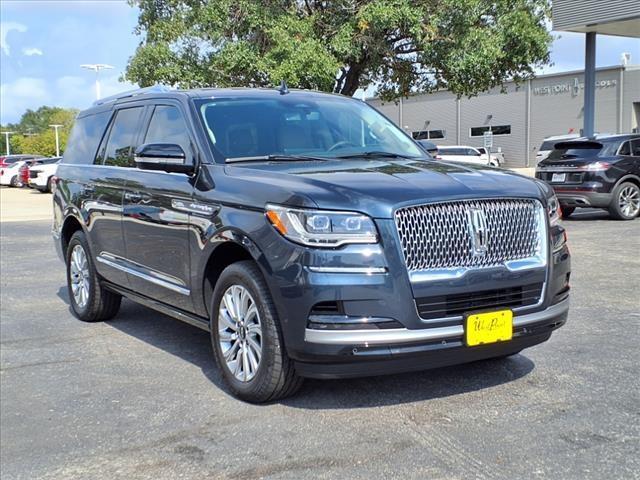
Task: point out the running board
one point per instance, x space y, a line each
186 317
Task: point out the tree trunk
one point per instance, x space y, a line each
352 81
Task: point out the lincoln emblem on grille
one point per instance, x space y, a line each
478 231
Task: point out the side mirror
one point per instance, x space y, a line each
167 157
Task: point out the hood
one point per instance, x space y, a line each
377 187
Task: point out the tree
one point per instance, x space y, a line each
33 133
400 46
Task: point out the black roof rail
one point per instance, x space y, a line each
132 93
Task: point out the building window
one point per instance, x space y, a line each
496 129
428 134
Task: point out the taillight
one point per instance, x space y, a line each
596 167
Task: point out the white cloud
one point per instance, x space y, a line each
31 51
5 28
23 93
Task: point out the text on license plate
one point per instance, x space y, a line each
558 177
488 327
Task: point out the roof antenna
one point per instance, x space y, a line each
283 88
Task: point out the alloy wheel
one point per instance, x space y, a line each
240 332
79 276
629 201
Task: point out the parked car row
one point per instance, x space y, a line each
34 171
462 153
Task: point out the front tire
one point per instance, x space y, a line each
246 337
90 301
14 182
625 204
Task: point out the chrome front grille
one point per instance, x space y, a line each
443 236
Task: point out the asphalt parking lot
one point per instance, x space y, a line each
140 397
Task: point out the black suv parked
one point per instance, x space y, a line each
307 233
602 172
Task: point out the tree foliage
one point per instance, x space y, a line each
400 46
33 133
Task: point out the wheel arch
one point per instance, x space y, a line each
628 178
229 246
70 226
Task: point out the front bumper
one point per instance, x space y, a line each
371 284
382 352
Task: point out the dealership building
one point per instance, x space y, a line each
521 115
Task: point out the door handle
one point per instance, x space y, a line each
133 197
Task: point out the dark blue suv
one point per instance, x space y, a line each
307 233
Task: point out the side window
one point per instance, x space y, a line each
167 125
120 146
625 149
472 152
85 137
635 147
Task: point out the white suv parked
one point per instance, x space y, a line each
40 175
462 153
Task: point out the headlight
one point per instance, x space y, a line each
320 228
553 207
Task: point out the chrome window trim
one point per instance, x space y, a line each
404 335
156 278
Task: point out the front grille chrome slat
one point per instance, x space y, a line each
437 237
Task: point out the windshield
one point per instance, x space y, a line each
327 127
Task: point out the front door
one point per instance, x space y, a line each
155 221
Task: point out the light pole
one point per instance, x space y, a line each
6 139
96 67
56 127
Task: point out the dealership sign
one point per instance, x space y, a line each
570 87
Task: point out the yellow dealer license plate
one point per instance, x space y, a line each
488 327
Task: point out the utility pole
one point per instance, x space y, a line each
96 67
56 127
6 139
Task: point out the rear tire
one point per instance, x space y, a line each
250 331
14 182
90 301
567 211
625 204
48 187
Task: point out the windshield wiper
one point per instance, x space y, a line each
375 154
276 158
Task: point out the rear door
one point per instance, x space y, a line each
155 219
105 192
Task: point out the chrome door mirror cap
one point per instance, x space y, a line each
168 157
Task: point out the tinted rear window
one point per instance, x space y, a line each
548 145
571 150
85 138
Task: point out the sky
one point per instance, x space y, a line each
43 44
